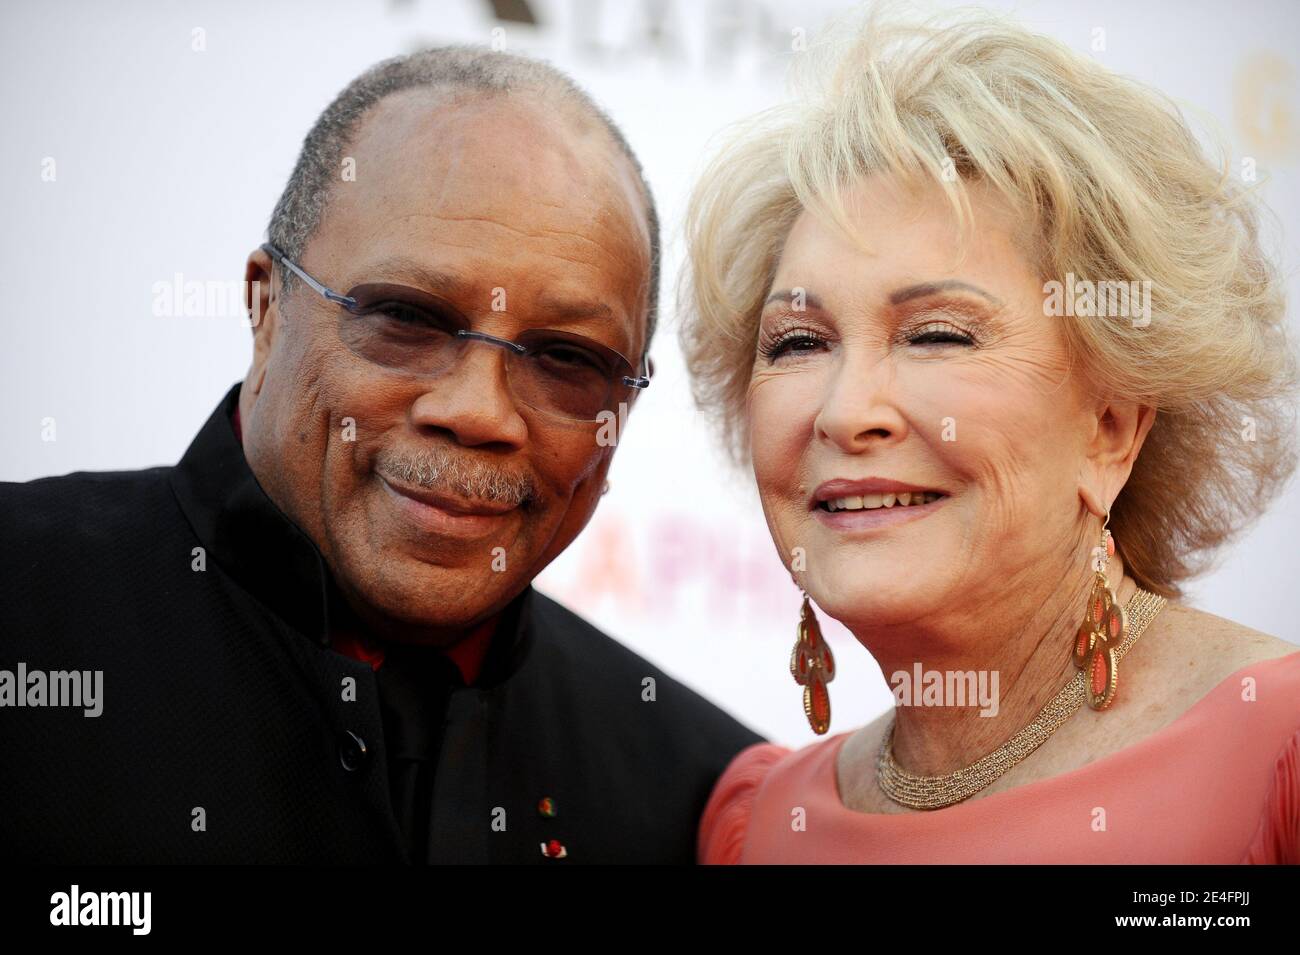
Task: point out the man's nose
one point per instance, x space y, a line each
472 399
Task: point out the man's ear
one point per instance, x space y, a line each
1121 430
257 299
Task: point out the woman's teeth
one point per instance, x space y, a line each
869 502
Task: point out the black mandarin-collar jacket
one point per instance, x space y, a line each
226 736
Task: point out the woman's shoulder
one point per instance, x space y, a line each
721 836
1267 677
1208 628
1192 669
1245 686
1196 651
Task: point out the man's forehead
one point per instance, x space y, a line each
489 186
458 150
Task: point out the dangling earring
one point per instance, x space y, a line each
1105 624
813 666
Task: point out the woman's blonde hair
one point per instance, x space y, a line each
1116 187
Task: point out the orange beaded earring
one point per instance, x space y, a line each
1103 629
813 666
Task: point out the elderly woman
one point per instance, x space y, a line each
1007 361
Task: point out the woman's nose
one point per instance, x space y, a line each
861 402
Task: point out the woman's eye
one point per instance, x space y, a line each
795 344
942 335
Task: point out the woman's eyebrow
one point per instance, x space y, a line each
934 288
898 297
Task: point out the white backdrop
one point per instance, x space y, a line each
168 158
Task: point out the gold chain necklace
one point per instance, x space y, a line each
935 792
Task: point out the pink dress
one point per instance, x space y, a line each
1219 785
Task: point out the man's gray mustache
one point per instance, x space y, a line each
443 472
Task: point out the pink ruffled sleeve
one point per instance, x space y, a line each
1278 840
726 815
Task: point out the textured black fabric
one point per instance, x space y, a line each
415 684
231 732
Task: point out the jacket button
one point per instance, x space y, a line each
352 751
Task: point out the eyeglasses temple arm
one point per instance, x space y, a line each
644 380
288 263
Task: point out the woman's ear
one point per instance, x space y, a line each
1121 430
1095 505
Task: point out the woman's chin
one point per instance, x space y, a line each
858 605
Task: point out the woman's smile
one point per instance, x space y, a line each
866 504
870 512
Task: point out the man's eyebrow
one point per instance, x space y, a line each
579 310
934 288
420 275
409 270
790 295
575 308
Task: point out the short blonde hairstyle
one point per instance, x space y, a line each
1115 185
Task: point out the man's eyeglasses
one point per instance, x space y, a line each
413 331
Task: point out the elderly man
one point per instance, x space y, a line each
317 634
